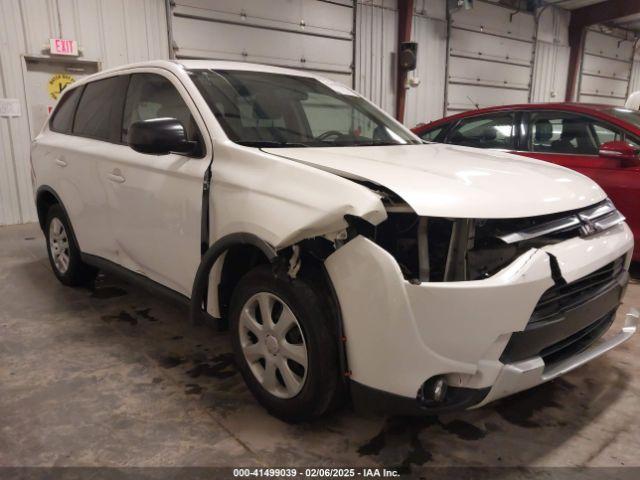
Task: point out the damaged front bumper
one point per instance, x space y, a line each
519 376
400 335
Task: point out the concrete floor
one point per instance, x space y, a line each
117 377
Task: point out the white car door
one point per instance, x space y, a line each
79 157
155 201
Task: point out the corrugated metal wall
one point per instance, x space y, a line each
110 32
551 63
426 101
376 50
634 82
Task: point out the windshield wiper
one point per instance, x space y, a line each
270 144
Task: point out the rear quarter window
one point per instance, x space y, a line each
62 119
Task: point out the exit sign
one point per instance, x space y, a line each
60 46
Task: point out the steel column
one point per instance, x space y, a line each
405 21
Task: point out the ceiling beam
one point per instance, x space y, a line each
604 12
581 18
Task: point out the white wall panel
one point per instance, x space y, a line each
463 97
376 57
634 82
482 46
16 202
433 9
376 50
306 34
109 32
490 51
606 66
553 26
585 98
550 73
551 64
599 66
301 16
425 102
224 41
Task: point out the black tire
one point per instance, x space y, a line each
322 385
77 273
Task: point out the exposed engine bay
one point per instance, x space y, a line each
435 249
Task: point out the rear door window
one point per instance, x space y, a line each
488 131
569 134
99 113
62 121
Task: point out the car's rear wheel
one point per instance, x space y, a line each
64 254
284 345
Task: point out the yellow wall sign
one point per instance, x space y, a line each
57 84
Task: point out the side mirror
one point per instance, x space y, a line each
621 151
160 136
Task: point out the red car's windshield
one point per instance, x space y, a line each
629 116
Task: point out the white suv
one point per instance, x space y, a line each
345 256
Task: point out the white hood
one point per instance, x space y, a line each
451 181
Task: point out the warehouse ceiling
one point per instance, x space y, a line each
631 22
572 4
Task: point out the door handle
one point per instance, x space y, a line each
116 176
60 162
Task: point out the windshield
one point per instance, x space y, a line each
261 109
629 116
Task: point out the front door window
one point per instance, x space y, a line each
488 131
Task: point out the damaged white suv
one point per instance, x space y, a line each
345 256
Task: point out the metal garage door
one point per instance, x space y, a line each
490 57
606 67
308 34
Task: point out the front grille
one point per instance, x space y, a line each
577 342
570 317
560 298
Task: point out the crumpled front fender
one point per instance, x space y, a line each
279 201
282 201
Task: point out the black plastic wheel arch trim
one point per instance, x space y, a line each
213 253
46 188
43 221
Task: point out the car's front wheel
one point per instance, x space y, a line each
284 345
64 254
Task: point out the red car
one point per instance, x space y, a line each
599 141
